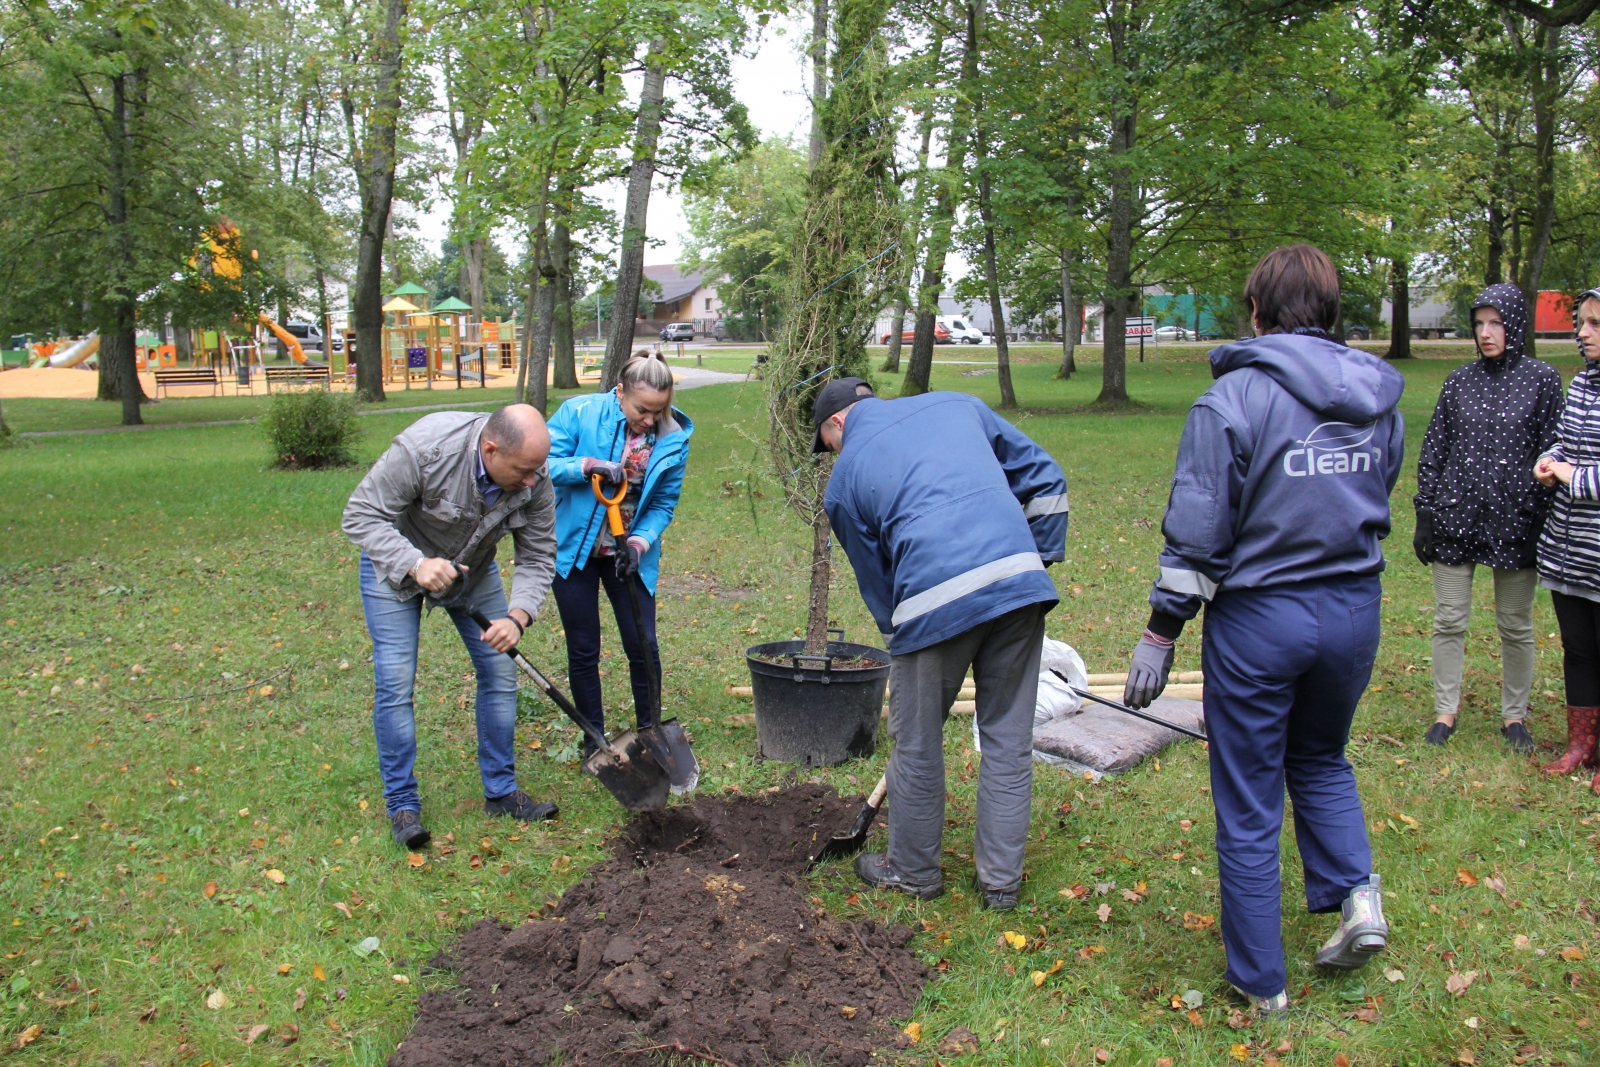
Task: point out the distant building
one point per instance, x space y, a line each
684 296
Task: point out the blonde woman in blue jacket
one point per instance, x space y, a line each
632 434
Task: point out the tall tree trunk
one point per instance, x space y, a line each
1494 270
1400 299
183 343
471 280
980 152
819 76
1544 85
542 326
941 223
630 270
1119 224
374 158
566 359
897 322
119 373
1069 319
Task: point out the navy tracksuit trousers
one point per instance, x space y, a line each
1284 668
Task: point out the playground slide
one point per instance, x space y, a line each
290 341
76 352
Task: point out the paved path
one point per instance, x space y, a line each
693 377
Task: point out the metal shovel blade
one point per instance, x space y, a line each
631 773
670 745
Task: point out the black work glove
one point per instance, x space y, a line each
608 470
627 557
1147 674
1422 540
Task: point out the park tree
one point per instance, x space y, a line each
744 213
843 269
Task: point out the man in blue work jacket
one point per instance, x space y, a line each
949 515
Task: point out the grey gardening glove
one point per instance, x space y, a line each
1147 674
608 470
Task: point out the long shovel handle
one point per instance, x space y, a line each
651 657
1129 711
549 688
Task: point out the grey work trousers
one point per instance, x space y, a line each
1004 656
1513 613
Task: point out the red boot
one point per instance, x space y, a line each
1581 731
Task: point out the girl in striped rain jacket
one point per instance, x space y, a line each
1569 547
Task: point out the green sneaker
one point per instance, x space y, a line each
1362 932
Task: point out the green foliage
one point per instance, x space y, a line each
311 429
744 214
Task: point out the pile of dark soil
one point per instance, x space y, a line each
696 939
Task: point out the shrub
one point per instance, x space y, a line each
312 429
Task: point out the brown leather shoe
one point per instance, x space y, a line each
1582 726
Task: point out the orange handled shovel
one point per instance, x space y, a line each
613 512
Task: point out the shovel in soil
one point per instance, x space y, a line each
633 767
851 841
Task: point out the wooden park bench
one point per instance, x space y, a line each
301 373
167 377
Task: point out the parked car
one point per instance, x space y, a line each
1173 333
719 331
310 337
962 331
1357 332
941 335
678 331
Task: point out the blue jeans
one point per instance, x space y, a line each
394 626
1284 668
578 599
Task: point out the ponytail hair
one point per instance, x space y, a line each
650 369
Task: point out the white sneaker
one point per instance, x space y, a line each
1278 1004
1361 934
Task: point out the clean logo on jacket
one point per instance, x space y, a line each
1333 448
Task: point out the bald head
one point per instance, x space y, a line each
515 444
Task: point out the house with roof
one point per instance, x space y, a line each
680 296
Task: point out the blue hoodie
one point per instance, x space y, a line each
1284 472
948 513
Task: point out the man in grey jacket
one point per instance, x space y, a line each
427 518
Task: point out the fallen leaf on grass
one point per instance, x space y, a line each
217 1000
1102 1055
417 859
1465 1058
1521 942
1191 921
1496 883
1394 974
1239 1052
344 908
1163 1061
365 947
959 1041
1104 912
1131 897
1238 1020
1089 952
1056 966
1571 953
300 997
318 973
285 968
1459 982
210 890
29 1036
1341 1060
1015 940
1194 1018
913 1031
275 876
1466 877
1078 892
255 1032
1192 998
400 979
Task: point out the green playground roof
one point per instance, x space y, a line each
410 289
450 304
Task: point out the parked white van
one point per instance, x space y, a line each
962 331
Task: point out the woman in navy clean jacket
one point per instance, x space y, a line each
634 435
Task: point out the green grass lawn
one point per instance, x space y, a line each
173 829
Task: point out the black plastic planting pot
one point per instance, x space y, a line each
810 711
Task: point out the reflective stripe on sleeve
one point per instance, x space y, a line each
1192 583
969 582
1046 505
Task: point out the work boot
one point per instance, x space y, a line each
520 806
874 869
1362 932
1439 733
1581 730
1277 1004
1517 736
406 826
996 899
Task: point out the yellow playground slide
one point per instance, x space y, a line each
290 341
76 352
